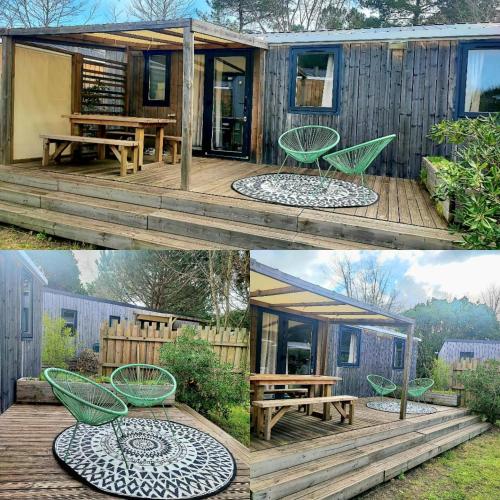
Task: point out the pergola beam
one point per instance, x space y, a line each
187 107
275 291
406 370
6 99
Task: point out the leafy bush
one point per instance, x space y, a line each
203 382
58 345
473 180
87 362
482 387
441 374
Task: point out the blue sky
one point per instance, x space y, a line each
419 275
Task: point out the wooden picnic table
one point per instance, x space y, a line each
258 382
138 123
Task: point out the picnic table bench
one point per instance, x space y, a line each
120 149
265 408
294 392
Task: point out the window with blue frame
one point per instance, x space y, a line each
466 355
70 320
349 346
114 318
26 306
156 79
398 354
479 78
315 79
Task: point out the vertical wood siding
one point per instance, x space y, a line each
482 349
382 92
90 314
375 357
18 358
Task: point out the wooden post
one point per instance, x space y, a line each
406 370
187 107
6 100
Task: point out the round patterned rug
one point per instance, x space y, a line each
189 464
299 190
393 407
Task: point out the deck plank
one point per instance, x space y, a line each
28 468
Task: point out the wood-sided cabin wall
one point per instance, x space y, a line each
383 91
18 357
375 357
136 107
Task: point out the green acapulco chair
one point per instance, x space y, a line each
356 159
307 144
419 386
144 386
90 403
382 386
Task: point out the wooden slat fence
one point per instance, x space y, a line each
125 343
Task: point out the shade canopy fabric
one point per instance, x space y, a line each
151 35
277 290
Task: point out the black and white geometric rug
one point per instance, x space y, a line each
190 464
393 406
298 190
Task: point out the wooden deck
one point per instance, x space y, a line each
402 201
29 470
295 427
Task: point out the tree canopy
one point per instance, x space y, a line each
60 269
439 319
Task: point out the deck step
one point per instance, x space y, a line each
284 457
326 229
215 231
305 475
95 232
353 483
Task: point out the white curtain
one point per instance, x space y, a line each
353 348
269 343
475 65
198 91
328 85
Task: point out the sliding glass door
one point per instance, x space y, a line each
286 343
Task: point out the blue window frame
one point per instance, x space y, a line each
466 355
314 85
349 346
156 78
26 306
398 354
478 78
70 317
114 318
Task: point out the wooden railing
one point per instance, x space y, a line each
125 343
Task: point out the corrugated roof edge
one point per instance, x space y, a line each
118 303
438 31
472 341
24 256
388 331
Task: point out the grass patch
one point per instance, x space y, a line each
237 424
468 472
13 238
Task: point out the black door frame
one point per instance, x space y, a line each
208 99
283 317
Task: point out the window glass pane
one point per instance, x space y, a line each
398 354
348 352
269 345
299 348
69 317
482 89
466 355
157 77
314 80
26 305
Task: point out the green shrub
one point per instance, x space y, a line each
203 382
482 387
58 345
87 362
473 180
441 374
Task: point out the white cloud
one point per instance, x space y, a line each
87 263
